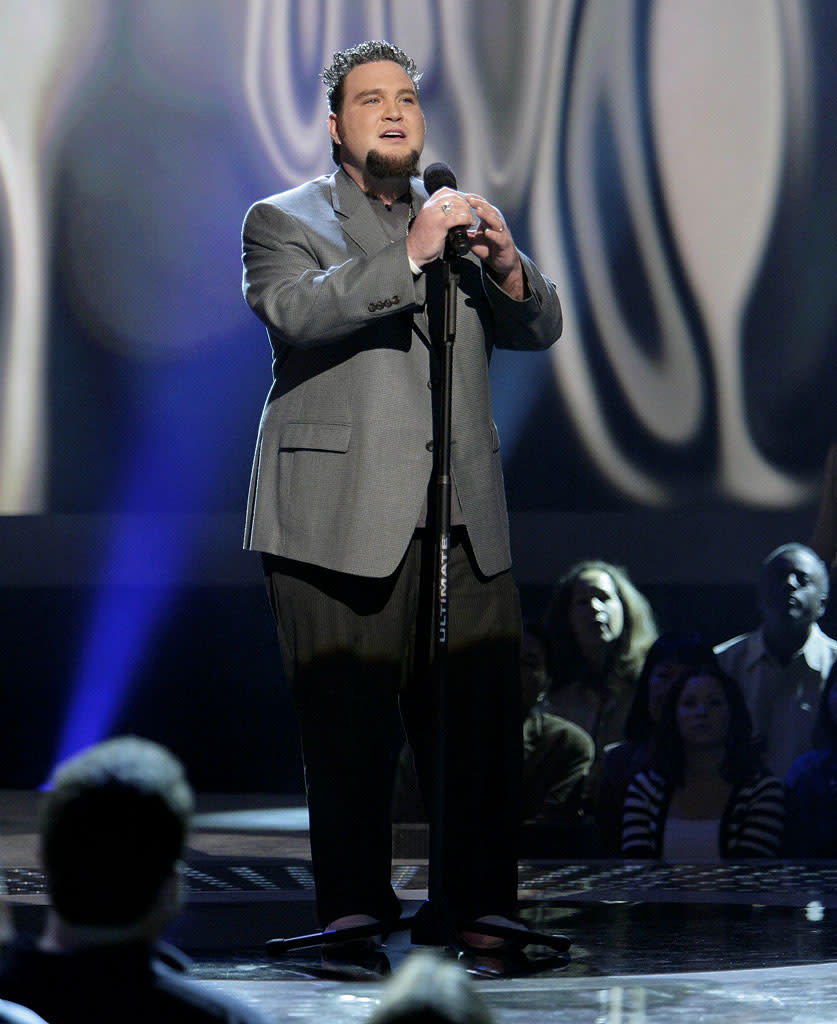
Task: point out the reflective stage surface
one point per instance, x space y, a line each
650 942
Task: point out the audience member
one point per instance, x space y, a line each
782 666
429 989
811 786
557 754
14 1013
706 795
669 658
601 627
11 1013
113 830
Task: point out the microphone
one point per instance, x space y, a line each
438 176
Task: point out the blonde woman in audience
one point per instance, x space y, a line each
601 627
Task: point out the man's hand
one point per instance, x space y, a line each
490 240
493 244
444 210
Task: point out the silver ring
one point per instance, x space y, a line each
446 207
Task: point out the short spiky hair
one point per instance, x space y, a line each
344 61
364 53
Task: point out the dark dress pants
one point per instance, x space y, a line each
355 651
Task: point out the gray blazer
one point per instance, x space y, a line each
344 451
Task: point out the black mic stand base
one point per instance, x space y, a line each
425 930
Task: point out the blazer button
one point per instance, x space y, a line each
429 446
395 300
371 307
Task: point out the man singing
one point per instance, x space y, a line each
344 271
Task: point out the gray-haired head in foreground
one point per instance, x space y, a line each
427 989
113 827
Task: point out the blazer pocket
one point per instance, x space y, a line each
315 437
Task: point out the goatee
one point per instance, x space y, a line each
382 167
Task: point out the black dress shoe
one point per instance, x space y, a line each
350 956
509 937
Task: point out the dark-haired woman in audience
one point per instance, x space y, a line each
707 795
669 658
811 786
601 628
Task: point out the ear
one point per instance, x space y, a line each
333 128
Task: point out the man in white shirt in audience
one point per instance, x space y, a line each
783 665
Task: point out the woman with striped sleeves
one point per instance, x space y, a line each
706 796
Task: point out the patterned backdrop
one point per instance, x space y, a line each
670 163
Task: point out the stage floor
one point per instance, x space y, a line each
744 942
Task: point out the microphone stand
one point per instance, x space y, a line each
437 925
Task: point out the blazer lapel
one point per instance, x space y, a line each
357 219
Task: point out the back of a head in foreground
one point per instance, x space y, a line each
14 1013
113 827
428 989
